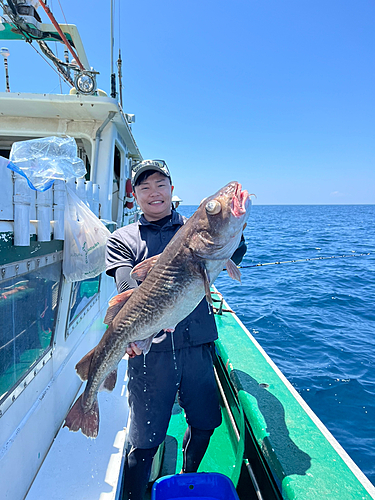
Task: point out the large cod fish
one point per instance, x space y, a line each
173 284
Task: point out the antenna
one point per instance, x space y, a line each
113 75
5 53
119 66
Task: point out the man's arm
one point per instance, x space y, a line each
120 262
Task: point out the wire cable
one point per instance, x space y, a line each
66 22
305 260
50 65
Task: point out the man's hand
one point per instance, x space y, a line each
132 350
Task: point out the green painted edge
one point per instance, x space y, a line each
7 33
9 253
302 459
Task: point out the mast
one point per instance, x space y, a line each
119 66
5 53
113 75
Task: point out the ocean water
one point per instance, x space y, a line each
316 319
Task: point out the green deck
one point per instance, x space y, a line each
220 456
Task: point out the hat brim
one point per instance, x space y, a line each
147 168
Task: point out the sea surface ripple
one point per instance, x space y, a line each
316 319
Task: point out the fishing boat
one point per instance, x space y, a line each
270 444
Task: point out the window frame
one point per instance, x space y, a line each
72 324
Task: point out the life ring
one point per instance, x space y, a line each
129 199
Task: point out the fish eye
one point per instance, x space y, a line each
213 207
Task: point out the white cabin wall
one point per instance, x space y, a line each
44 127
6 198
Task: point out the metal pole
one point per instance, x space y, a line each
112 41
119 65
113 75
5 53
6 74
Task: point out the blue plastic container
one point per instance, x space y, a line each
201 486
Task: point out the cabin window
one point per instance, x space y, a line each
28 312
81 153
117 188
83 293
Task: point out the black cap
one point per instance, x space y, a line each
143 166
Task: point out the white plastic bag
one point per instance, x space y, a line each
42 161
85 240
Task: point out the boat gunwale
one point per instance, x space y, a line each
284 391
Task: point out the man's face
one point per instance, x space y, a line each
154 196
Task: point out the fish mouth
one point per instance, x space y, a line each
240 201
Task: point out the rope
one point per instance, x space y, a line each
305 260
66 22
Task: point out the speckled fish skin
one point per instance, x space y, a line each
173 287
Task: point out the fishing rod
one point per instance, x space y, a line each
219 310
305 260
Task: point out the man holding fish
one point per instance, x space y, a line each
183 360
163 266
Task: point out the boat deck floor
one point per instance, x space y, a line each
82 468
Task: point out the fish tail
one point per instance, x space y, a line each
87 421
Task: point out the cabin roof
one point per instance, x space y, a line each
62 107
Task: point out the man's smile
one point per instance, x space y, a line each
154 196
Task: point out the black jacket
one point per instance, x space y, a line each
136 242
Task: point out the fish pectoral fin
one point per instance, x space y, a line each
83 366
233 270
206 282
141 270
158 340
116 304
145 344
109 382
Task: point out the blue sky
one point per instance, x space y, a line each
278 95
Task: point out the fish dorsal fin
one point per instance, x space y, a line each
206 282
83 366
233 270
116 304
141 270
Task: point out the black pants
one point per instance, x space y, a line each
153 385
139 461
